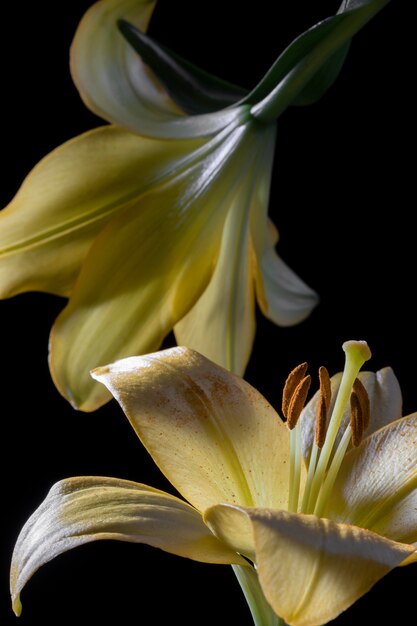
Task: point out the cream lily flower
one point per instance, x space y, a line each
306 536
158 220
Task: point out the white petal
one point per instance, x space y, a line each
376 487
285 299
91 508
116 85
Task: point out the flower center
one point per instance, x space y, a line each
326 457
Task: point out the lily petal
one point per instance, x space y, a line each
412 558
80 510
312 569
214 436
147 268
48 227
116 85
232 526
221 325
192 89
385 405
282 296
400 522
309 54
376 487
385 398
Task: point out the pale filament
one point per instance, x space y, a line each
326 457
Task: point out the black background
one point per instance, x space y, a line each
343 200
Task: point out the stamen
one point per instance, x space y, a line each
356 419
323 406
293 379
306 501
295 469
321 422
325 386
298 401
293 399
363 398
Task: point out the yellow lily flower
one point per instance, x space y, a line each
309 523
158 220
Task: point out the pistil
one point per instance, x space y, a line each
359 417
356 354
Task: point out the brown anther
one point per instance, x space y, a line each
323 406
297 401
356 419
362 394
321 422
325 386
293 380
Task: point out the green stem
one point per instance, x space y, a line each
262 612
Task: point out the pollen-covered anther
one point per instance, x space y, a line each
362 394
298 401
293 380
323 406
356 419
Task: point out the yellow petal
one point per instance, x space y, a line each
312 569
146 269
80 510
116 85
377 484
412 558
48 227
233 527
221 325
212 434
385 405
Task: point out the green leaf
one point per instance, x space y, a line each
193 89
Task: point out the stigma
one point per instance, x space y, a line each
328 450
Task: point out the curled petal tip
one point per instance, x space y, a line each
16 605
97 372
